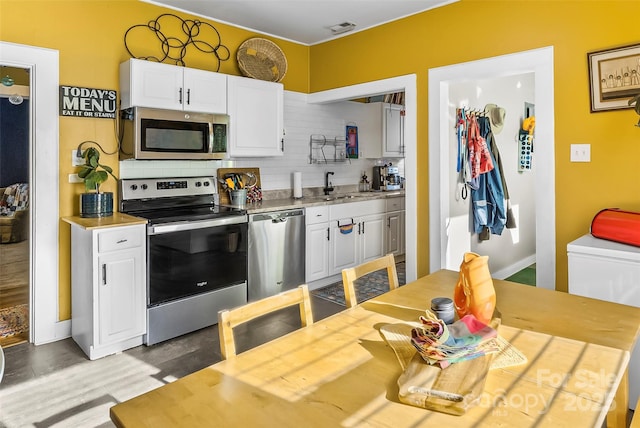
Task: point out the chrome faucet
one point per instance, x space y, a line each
328 187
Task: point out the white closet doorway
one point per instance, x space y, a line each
444 224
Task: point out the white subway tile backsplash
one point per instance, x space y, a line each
300 121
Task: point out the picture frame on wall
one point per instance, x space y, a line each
614 77
352 142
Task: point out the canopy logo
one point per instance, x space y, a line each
87 102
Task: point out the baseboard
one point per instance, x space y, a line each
63 329
515 267
314 285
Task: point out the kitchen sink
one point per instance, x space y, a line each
339 197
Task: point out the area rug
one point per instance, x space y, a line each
526 276
14 320
367 287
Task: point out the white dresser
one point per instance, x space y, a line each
608 271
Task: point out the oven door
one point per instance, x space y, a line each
190 258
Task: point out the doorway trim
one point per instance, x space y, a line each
406 83
539 62
43 65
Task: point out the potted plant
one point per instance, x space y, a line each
635 102
94 203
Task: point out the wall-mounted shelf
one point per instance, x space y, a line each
327 150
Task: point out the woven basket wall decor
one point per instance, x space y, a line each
262 59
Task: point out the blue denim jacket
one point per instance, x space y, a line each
489 207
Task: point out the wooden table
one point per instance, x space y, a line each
340 372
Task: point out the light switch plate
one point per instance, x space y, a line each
73 178
581 153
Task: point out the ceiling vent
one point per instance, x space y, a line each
342 28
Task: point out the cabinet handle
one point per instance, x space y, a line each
359 232
121 241
104 274
188 96
328 234
389 222
180 96
363 227
282 143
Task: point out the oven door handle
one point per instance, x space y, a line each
193 225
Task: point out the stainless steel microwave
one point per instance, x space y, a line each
170 134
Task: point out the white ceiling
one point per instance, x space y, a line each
302 21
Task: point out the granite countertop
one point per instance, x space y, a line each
273 204
313 201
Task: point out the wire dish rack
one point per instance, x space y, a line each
327 150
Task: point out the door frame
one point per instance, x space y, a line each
408 85
539 62
43 66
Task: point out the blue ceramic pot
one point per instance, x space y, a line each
96 204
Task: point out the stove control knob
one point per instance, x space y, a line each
198 184
134 187
144 187
206 183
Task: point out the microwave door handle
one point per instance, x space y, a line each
211 137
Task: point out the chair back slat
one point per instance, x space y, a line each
351 274
229 319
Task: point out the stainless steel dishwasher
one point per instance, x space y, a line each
276 252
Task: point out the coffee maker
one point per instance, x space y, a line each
378 180
392 180
386 178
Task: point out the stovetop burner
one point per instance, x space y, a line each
188 214
167 200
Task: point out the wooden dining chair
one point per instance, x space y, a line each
351 274
635 418
229 319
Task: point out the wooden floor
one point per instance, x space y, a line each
56 385
14 282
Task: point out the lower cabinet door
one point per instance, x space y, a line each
317 252
121 302
343 247
372 237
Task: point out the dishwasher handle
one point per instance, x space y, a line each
276 216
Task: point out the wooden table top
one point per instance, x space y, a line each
340 372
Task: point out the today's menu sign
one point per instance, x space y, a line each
76 101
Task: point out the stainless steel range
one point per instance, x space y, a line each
196 252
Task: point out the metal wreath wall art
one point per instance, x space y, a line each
174 46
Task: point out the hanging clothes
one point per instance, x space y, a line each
480 160
489 208
491 142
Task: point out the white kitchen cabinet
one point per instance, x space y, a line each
108 290
381 133
395 223
165 86
317 243
364 241
256 110
608 271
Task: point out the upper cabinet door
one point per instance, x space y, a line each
150 84
204 91
393 120
381 131
165 86
255 109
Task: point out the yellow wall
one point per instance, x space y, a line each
471 30
89 36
